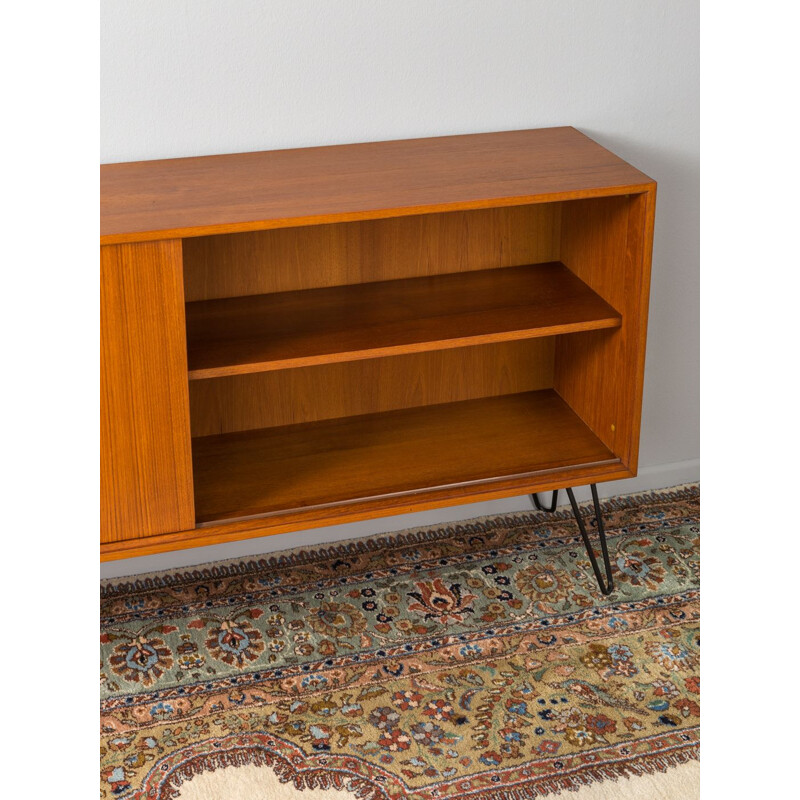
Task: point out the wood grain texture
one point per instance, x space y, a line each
145 445
288 259
638 260
607 243
308 394
276 470
236 336
186 197
331 441
369 509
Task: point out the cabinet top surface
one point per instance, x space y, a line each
180 197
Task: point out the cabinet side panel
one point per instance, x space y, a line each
145 444
608 244
344 253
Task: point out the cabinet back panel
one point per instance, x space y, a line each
307 394
287 259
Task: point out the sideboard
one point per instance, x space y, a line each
298 338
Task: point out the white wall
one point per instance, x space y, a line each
192 77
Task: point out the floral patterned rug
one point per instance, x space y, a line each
477 660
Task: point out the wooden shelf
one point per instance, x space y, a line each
277 470
345 323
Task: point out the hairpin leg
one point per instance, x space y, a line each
607 586
540 507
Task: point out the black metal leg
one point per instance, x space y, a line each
607 586
540 507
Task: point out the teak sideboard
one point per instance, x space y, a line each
298 338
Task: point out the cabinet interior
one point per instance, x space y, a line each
312 348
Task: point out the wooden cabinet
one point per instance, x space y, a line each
306 337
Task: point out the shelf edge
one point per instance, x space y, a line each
255 367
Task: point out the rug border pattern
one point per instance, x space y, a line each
367 780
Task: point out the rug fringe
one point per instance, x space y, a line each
313 778
644 765
364 789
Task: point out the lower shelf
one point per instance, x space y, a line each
273 470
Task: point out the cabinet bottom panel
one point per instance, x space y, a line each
367 457
295 477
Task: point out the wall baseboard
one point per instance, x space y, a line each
657 477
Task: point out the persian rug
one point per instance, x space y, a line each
476 660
